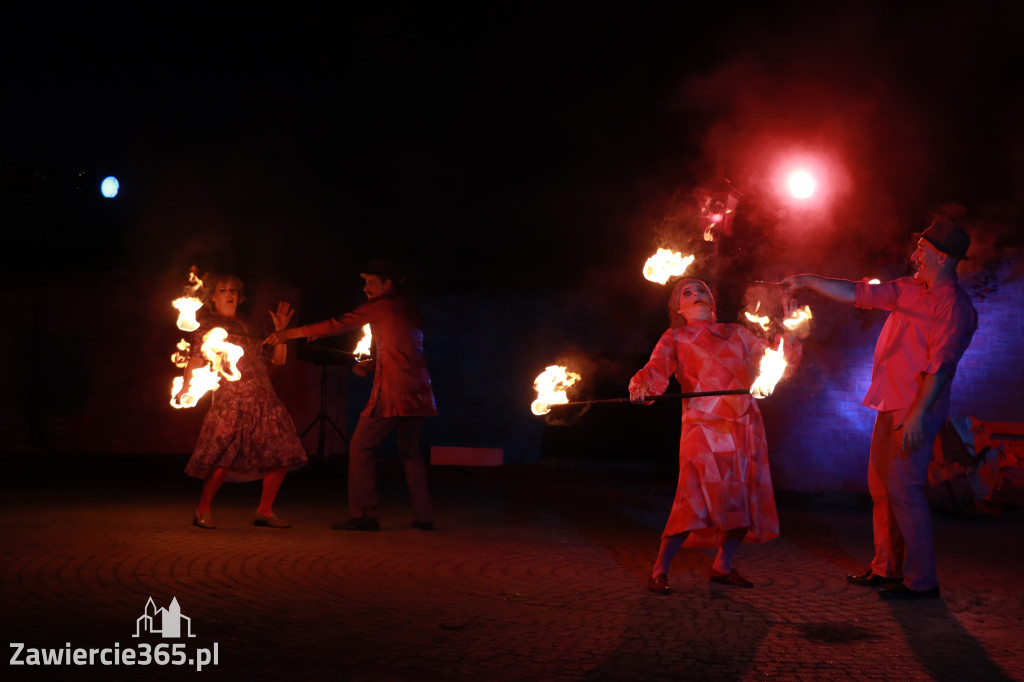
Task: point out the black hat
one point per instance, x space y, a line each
383 268
947 237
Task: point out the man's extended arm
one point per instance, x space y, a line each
837 289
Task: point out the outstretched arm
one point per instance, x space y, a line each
842 290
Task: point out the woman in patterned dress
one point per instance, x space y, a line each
724 494
247 433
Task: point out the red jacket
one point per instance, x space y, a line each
928 329
401 381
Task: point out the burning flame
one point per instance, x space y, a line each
362 350
203 379
716 219
222 361
222 356
551 385
665 264
188 304
760 320
773 365
180 357
187 307
797 318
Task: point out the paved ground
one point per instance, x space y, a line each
533 573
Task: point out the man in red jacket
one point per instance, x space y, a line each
400 399
930 324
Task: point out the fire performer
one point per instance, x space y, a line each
400 399
247 433
724 494
930 324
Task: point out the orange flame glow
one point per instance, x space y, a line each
797 318
188 304
203 379
180 357
773 366
551 385
222 356
362 350
664 264
222 361
187 307
759 320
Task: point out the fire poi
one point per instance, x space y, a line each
665 264
188 304
763 321
222 362
363 348
221 356
773 366
551 385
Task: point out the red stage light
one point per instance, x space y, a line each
801 184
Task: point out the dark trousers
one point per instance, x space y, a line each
362 472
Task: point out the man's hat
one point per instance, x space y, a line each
947 237
384 269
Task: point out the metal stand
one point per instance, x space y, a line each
323 419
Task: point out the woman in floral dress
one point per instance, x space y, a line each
247 433
724 494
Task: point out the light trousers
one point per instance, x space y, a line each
901 518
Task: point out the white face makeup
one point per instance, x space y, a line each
695 302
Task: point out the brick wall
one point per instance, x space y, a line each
818 430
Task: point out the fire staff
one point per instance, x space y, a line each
400 399
930 324
724 495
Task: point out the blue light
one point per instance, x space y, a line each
109 187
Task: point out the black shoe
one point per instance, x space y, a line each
203 520
423 525
659 584
731 578
901 591
360 523
870 579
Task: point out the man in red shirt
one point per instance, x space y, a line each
400 399
930 325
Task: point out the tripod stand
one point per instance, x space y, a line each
323 419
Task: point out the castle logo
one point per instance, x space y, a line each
166 622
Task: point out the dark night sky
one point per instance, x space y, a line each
293 144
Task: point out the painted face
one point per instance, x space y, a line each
695 302
225 297
373 287
927 259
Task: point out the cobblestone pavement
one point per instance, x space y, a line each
533 573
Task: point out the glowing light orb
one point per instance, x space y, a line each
109 187
801 184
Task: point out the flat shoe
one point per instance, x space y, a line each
358 523
871 579
203 520
659 584
271 521
901 591
731 578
